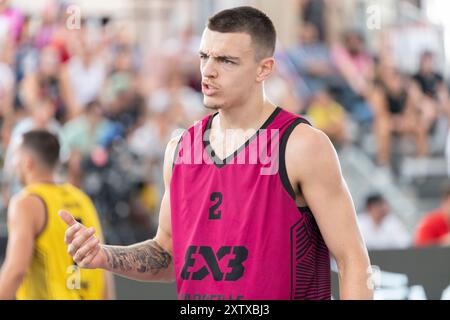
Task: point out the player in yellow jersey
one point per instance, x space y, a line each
37 265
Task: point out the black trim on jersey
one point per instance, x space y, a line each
46 214
219 163
282 166
301 210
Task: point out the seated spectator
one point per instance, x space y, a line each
380 228
396 112
313 61
432 94
47 82
120 97
85 73
11 21
314 12
356 67
80 136
434 227
329 116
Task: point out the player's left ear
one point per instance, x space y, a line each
265 69
28 162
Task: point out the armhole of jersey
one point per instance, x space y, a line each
45 212
177 148
282 166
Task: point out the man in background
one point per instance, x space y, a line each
380 228
37 265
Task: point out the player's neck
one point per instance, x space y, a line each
248 116
36 178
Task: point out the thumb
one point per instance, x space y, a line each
67 217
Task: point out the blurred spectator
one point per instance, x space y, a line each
163 116
11 21
356 67
396 112
182 51
86 73
47 82
380 228
313 12
174 106
282 93
26 59
286 85
80 136
111 176
155 131
432 93
313 61
434 227
120 96
55 31
329 116
42 116
7 79
49 25
185 104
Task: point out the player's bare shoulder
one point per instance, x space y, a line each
172 144
23 200
308 141
169 155
27 207
308 150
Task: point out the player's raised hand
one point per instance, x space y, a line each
83 245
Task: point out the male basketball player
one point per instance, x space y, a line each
230 229
37 265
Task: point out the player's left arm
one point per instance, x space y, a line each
26 217
312 163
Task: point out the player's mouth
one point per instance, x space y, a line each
208 89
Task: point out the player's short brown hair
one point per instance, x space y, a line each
248 20
44 145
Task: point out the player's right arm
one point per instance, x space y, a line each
150 260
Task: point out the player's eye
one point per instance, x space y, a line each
227 61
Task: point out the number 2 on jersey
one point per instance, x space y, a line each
214 212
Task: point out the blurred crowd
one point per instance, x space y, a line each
345 82
115 106
351 92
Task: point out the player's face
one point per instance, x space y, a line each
228 68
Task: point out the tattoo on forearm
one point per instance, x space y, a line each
143 257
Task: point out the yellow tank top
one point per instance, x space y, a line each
53 273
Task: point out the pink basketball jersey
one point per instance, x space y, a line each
237 231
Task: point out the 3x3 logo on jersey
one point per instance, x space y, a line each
212 259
